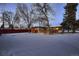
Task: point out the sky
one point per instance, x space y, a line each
57 7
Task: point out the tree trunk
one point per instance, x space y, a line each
68 30
73 29
62 29
49 30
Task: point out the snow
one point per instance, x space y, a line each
33 44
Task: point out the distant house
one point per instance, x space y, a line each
45 29
77 24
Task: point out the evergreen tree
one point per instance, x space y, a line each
70 16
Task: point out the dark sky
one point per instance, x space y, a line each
57 7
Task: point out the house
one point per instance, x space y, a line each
45 29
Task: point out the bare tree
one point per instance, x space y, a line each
43 9
17 16
22 13
2 10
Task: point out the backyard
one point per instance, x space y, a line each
31 44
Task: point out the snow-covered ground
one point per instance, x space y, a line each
29 44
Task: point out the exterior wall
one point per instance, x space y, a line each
45 29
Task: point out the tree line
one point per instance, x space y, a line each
38 12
